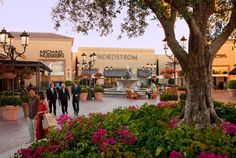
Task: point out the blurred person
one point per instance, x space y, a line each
64 96
75 97
52 98
33 103
42 109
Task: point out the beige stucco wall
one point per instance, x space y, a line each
226 57
119 58
33 54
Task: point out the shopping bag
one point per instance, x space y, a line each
49 120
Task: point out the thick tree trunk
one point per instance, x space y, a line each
199 108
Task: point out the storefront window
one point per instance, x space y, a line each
57 67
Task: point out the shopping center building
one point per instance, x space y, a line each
114 62
52 51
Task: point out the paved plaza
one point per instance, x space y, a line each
14 135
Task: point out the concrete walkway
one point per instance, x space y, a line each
14 135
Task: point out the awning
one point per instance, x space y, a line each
143 73
219 75
23 63
233 72
91 72
115 73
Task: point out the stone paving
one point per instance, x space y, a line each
14 135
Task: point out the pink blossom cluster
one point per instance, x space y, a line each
62 119
102 138
165 104
203 154
228 127
133 107
175 154
173 123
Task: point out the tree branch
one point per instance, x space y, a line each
218 42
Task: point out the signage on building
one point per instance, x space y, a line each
51 54
221 56
116 57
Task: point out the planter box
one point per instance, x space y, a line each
9 75
232 92
83 96
98 96
10 113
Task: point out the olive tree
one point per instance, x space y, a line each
210 23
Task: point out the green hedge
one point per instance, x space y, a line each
232 84
226 111
168 96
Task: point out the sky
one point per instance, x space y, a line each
34 16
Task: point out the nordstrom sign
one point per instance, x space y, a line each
116 57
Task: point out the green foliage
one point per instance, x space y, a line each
10 100
226 111
84 89
182 89
168 96
149 125
171 81
98 90
183 96
68 83
232 84
25 97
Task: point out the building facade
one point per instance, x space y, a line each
114 62
53 50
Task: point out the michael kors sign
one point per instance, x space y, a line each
51 54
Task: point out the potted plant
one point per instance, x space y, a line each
167 72
27 73
9 73
181 90
10 107
25 103
84 93
232 88
169 99
98 93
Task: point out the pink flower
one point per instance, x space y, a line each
173 123
229 128
175 154
132 107
62 119
203 154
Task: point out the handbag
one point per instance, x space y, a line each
49 120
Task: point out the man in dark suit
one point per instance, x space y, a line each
63 98
75 98
52 98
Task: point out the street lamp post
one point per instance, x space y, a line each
88 65
172 57
6 42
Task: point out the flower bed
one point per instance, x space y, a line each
146 131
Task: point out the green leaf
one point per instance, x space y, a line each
233 140
158 151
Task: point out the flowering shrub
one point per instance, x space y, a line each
211 155
229 128
145 131
167 70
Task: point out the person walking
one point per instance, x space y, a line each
42 109
63 98
33 103
76 97
52 98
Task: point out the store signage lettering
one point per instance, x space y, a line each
116 57
221 56
51 54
